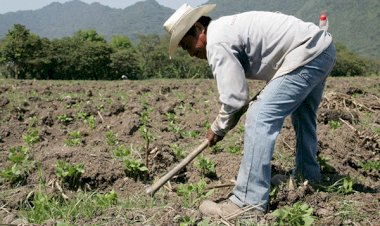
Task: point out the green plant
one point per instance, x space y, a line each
32 136
371 165
233 150
20 166
111 139
178 151
348 210
65 119
107 199
187 221
216 148
74 139
121 152
298 214
334 124
134 168
194 193
41 207
325 167
205 165
342 186
69 173
90 121
33 121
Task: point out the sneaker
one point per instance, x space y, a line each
228 210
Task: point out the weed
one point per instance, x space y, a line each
178 152
43 207
193 194
68 173
106 200
20 167
111 139
217 148
348 210
334 124
190 134
325 167
371 165
206 125
299 214
33 121
205 165
32 136
342 186
235 150
75 139
187 221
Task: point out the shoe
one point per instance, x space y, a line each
228 210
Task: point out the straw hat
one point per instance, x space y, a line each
182 20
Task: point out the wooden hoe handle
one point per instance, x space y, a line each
158 184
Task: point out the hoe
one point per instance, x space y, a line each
158 184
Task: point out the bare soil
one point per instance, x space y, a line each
352 103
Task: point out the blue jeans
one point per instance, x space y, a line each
298 94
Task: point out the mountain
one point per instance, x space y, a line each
354 23
58 20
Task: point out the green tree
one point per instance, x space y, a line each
348 63
89 35
19 47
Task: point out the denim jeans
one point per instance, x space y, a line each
298 94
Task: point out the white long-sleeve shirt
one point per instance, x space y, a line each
256 45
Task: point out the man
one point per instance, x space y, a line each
293 56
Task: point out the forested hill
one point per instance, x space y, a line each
58 20
354 23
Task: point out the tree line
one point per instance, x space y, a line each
88 56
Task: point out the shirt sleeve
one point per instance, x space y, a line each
231 83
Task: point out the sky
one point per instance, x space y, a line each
16 5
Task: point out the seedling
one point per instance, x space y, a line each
134 168
193 193
235 150
121 152
64 119
20 166
145 133
75 139
205 165
334 124
69 173
90 121
32 136
299 214
111 139
178 151
217 148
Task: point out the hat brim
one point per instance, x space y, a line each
184 25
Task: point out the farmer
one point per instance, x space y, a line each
294 58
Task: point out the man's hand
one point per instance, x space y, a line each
213 138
